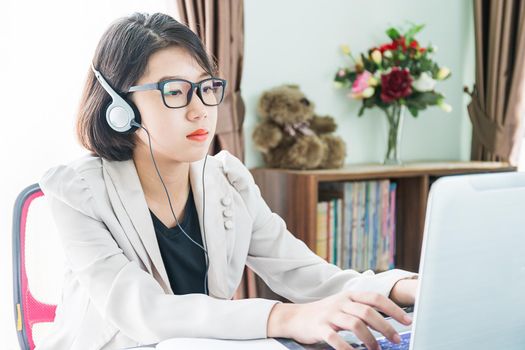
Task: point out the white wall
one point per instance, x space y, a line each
294 41
297 41
49 45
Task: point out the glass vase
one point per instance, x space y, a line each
395 115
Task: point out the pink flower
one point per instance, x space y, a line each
361 83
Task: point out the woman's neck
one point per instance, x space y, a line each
174 174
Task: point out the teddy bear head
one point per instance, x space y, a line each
285 104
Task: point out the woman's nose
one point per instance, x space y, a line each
196 109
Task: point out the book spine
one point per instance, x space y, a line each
355 223
347 227
330 234
340 235
392 231
361 226
383 249
366 232
377 206
321 230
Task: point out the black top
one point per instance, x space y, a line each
184 261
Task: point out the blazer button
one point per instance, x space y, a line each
228 224
227 213
226 200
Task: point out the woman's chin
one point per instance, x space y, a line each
195 155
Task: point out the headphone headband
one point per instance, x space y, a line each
120 114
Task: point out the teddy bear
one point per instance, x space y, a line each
290 134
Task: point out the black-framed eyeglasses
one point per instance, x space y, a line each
177 93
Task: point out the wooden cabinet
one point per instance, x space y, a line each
294 194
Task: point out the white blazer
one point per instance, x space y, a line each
116 292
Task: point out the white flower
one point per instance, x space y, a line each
444 106
376 56
359 64
443 73
387 54
338 85
424 82
373 81
368 92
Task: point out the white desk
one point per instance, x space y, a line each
258 344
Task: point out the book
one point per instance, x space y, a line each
347 226
356 225
330 233
392 228
340 233
321 241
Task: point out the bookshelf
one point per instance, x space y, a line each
294 194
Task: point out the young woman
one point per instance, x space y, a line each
156 233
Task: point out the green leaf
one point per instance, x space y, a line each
368 102
393 33
361 110
368 64
414 103
429 97
413 111
413 31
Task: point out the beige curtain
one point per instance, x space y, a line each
497 105
220 25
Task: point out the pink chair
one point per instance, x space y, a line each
28 310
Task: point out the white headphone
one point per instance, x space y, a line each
121 114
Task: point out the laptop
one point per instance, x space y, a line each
472 269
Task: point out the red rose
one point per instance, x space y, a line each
415 45
386 47
395 85
399 43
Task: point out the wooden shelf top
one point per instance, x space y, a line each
409 168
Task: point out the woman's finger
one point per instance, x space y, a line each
372 318
383 304
356 326
333 339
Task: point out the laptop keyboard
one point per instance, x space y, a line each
386 344
403 345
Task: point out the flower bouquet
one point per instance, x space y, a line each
397 76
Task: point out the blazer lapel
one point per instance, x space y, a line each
211 221
127 184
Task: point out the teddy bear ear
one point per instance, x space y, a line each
262 106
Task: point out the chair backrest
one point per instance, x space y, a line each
38 263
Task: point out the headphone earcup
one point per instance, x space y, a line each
137 118
120 114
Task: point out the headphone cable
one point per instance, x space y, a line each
175 216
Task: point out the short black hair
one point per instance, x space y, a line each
121 56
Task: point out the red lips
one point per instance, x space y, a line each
198 132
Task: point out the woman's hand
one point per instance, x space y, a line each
321 320
404 292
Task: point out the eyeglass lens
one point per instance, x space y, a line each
176 92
